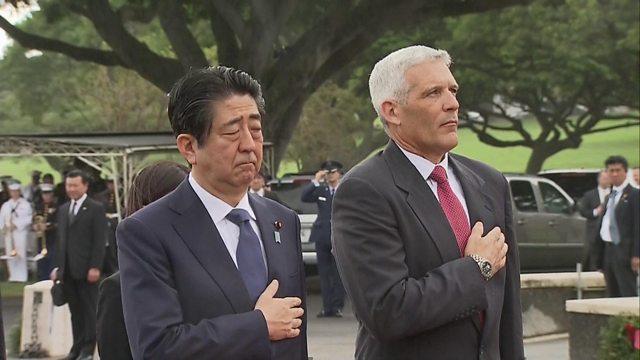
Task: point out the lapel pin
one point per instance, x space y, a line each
278 225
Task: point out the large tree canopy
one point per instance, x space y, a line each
291 46
543 77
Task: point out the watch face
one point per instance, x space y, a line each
486 268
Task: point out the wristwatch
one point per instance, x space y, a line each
484 265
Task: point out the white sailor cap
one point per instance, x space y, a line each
44 187
15 186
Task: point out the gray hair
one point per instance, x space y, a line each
387 80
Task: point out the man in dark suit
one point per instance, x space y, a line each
620 232
211 271
78 259
320 191
592 207
408 227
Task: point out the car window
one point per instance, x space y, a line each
553 200
523 197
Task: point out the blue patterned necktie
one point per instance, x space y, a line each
249 255
611 213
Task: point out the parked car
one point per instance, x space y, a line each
574 181
549 229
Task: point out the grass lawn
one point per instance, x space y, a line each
591 154
11 289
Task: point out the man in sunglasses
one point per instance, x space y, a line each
321 191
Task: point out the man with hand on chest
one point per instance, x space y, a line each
211 271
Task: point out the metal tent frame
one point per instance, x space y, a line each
119 155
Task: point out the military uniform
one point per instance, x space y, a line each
46 214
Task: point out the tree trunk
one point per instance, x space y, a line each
539 155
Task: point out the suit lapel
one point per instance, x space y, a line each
273 250
478 204
199 233
423 202
81 211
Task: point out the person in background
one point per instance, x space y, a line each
321 191
620 232
151 183
259 187
82 229
60 191
45 227
635 174
591 206
15 222
31 191
108 200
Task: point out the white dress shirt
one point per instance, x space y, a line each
218 210
78 204
425 168
605 233
602 194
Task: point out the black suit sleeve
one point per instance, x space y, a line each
152 311
370 256
111 332
635 213
98 238
511 345
310 193
586 205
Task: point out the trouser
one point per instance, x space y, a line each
45 265
330 282
620 279
82 298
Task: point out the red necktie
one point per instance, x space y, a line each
452 207
455 213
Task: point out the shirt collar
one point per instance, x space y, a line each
620 188
80 201
424 166
217 208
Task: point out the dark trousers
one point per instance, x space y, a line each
620 279
330 282
45 265
83 302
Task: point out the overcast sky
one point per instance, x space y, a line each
14 16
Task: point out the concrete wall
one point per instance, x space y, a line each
543 299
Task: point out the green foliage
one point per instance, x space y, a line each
51 93
614 342
336 125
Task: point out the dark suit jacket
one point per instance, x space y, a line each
591 200
81 243
414 295
113 343
321 195
182 294
628 219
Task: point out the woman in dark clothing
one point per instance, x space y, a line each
151 183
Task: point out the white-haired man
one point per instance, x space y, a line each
423 238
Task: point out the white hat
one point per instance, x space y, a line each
44 187
15 186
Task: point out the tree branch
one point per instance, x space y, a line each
613 127
31 41
491 140
158 70
138 13
231 14
174 23
226 39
